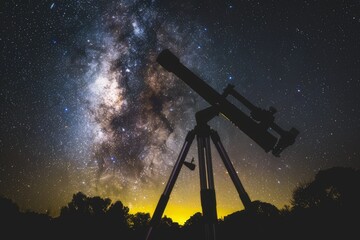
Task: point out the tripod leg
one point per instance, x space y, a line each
230 168
155 220
211 190
208 199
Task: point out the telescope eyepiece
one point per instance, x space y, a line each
286 139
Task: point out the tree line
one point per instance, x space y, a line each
326 207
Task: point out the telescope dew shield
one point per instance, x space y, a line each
260 135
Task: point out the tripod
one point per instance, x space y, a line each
255 126
203 133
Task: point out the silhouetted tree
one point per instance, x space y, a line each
15 223
265 209
119 214
168 222
84 206
8 209
258 222
167 229
79 206
195 219
334 187
10 216
139 223
194 227
140 220
88 216
328 205
98 206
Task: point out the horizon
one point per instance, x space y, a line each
171 211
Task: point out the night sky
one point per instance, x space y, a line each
86 107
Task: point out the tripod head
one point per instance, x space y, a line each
256 126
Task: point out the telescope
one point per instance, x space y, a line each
256 126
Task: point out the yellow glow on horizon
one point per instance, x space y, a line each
180 214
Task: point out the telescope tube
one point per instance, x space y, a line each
260 135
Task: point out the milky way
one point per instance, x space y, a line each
134 110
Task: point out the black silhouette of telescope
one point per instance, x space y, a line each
257 126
